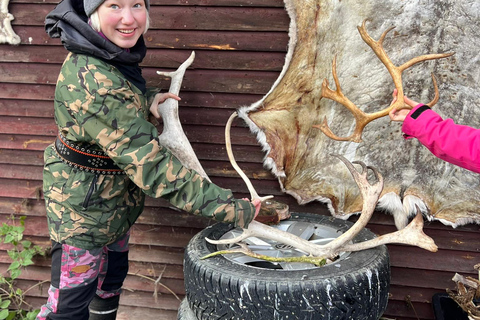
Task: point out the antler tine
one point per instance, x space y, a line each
422 58
361 119
367 190
412 234
437 94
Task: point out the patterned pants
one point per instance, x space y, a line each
79 275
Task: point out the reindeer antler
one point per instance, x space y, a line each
228 144
411 235
362 118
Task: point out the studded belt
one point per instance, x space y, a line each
82 158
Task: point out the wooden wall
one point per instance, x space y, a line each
240 47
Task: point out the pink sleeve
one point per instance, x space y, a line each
457 144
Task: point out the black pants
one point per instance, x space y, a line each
80 276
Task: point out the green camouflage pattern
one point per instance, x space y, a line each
97 107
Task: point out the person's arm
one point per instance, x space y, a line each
454 143
448 141
115 119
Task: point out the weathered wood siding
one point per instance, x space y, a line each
240 48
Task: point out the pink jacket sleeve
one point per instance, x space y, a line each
457 144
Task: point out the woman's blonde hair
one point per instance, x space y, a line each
95 21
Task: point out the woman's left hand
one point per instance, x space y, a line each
160 98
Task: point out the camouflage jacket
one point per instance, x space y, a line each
97 107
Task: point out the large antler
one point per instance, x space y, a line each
172 135
412 234
362 118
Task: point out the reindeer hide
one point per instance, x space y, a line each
299 155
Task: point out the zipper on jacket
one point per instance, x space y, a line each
93 188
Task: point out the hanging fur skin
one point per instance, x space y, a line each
298 153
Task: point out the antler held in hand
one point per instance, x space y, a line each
362 118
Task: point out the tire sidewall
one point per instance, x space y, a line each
366 270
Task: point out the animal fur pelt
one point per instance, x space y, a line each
299 155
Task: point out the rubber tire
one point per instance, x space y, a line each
354 288
184 311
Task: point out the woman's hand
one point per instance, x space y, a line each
257 203
400 115
160 98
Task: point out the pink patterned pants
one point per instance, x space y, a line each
79 274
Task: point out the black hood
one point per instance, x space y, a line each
69 22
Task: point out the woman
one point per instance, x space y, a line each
107 157
457 144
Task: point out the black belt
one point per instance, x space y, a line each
84 159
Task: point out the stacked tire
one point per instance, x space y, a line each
353 288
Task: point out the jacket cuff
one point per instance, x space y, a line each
418 110
411 117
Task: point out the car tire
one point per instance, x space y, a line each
184 311
355 287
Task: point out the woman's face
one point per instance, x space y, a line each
123 21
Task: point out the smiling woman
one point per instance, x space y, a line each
107 157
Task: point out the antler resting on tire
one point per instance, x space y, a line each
411 235
362 118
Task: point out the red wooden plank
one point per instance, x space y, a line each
21 157
147 235
219 18
34 126
402 293
182 17
134 313
164 58
26 91
180 39
154 270
420 278
13 171
144 253
25 142
142 286
26 108
20 188
217 60
29 73
21 207
233 3
252 82
444 260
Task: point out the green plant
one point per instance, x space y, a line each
22 252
